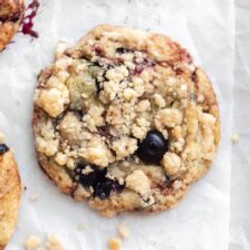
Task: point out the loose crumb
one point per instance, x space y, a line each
54 243
60 48
32 243
123 231
2 138
235 138
114 243
80 227
33 197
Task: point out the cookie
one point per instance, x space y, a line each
10 190
125 120
11 15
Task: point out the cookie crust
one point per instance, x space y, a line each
11 15
10 191
181 105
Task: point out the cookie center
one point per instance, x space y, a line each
116 115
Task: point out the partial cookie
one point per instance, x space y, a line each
125 120
10 190
11 15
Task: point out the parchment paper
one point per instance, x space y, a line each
201 220
240 185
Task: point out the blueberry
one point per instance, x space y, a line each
104 130
91 178
3 149
122 50
153 147
79 114
103 188
101 184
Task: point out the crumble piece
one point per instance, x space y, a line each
32 243
54 243
123 231
235 138
138 182
33 197
114 243
2 138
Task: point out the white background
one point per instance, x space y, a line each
201 220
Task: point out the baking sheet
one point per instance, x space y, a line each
201 220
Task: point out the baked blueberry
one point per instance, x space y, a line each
153 147
91 178
103 187
122 50
96 64
3 149
101 184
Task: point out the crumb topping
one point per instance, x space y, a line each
138 182
97 104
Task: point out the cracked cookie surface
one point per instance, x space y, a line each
10 190
125 120
11 15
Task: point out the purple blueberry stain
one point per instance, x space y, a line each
143 65
27 24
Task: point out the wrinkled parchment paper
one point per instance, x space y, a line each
201 220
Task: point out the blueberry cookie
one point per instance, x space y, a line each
11 15
125 120
10 190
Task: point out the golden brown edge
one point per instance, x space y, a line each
9 197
